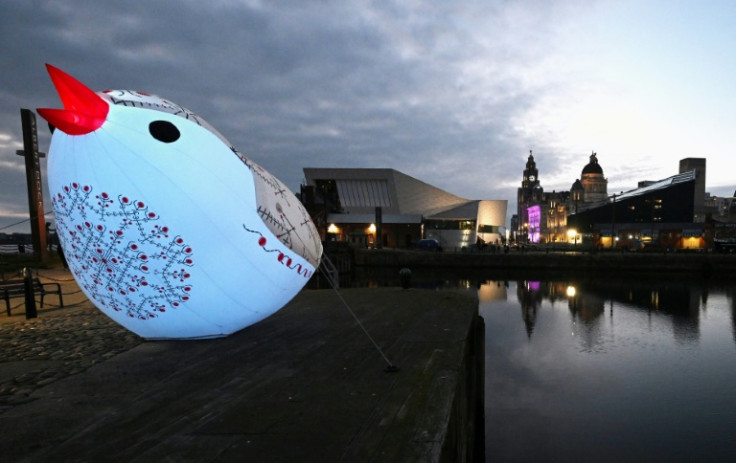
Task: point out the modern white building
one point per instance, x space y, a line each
389 208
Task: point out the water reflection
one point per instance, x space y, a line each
610 371
614 370
587 303
493 291
681 302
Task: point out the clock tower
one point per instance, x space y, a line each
529 195
531 175
530 190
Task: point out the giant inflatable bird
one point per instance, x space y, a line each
166 227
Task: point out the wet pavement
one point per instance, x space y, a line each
58 343
305 384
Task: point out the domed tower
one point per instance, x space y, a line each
595 186
576 196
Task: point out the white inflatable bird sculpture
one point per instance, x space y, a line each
166 227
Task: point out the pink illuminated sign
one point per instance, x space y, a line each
534 215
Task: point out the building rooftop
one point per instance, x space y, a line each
361 190
688 176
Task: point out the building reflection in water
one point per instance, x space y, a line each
530 298
680 302
635 371
493 291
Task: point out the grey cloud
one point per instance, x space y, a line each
294 84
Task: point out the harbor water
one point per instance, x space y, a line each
604 369
609 371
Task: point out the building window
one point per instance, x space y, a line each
450 224
489 229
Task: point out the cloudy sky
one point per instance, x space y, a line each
454 93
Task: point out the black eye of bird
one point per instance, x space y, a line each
164 131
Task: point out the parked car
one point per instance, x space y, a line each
429 245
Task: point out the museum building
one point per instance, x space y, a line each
658 214
385 207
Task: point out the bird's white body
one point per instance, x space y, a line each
175 239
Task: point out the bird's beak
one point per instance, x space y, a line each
84 110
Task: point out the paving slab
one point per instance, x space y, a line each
304 385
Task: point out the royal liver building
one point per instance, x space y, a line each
542 216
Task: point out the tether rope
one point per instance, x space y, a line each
390 366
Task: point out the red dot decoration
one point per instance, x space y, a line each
108 265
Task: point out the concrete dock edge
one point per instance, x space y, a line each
303 385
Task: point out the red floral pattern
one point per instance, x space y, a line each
120 253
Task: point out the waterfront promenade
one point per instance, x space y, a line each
303 385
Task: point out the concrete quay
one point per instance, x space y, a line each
304 385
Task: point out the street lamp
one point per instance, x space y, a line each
372 234
572 235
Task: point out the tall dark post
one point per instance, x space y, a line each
33 179
379 228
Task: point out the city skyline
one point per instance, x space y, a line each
453 94
512 201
